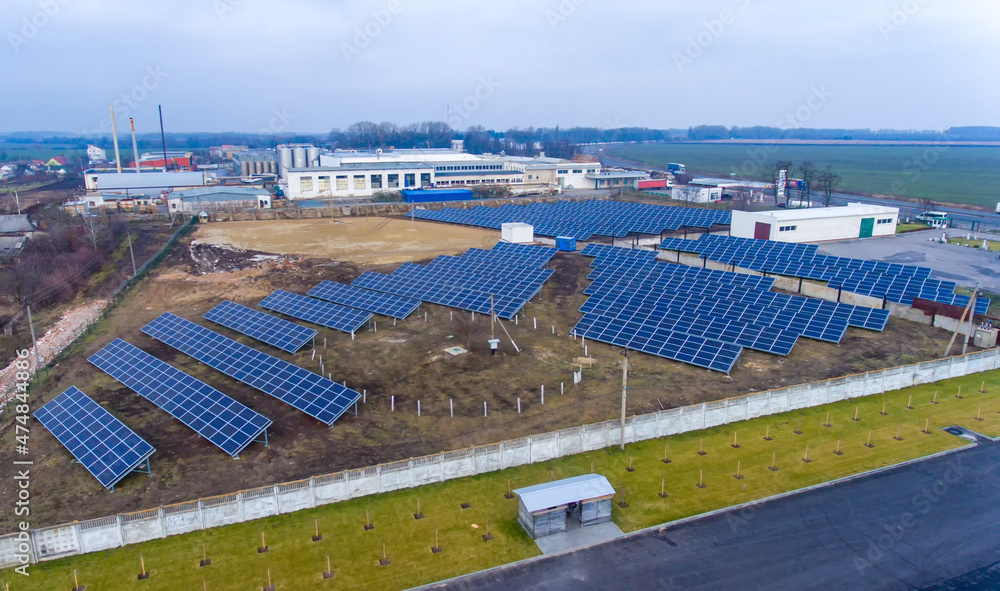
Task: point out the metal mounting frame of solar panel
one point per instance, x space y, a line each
507 282
224 422
378 302
303 390
698 351
100 442
315 311
277 332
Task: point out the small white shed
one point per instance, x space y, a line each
517 233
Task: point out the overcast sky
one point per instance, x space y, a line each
312 65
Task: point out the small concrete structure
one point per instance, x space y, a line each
517 233
545 509
854 220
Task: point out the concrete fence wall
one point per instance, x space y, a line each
131 528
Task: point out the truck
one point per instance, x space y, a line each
647 184
676 168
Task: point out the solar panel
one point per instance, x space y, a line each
333 316
694 350
304 390
502 279
104 445
218 418
385 304
276 332
582 220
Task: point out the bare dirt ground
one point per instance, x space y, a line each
370 241
403 359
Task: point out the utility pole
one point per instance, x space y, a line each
131 252
625 356
34 342
972 317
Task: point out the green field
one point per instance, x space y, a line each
296 562
949 174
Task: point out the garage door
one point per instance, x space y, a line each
762 231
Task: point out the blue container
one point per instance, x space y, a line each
435 195
566 243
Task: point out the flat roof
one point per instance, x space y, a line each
563 492
357 166
477 172
810 213
618 175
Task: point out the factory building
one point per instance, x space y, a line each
219 199
129 181
362 173
855 220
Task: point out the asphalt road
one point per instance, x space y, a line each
964 217
928 525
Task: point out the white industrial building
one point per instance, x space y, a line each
150 183
362 173
696 193
855 220
96 154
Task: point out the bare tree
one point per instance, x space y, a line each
828 181
808 171
927 203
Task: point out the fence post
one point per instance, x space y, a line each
162 521
312 492
201 513
277 500
239 501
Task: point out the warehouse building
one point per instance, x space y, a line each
219 199
151 183
357 180
855 220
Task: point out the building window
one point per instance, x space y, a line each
410 180
305 184
376 181
393 181
787 228
324 183
885 221
425 179
578 172
563 172
359 181
341 182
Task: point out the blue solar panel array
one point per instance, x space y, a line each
511 273
276 332
585 219
634 297
890 281
104 445
304 390
210 413
385 304
333 316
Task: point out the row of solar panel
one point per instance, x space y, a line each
583 220
501 280
891 281
631 287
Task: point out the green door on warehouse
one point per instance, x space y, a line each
867 227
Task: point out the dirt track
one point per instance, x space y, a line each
370 241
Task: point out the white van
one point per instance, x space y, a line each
934 218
